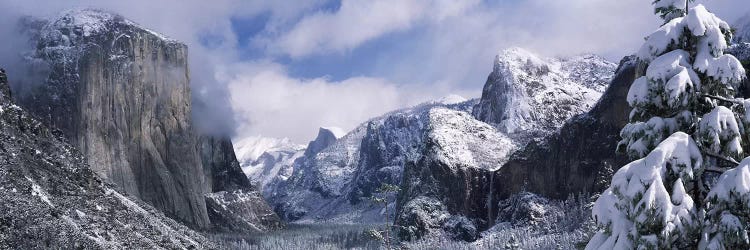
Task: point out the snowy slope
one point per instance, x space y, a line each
467 142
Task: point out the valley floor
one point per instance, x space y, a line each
537 224
305 236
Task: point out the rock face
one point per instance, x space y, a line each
233 203
325 138
121 94
220 165
50 198
526 96
455 169
580 154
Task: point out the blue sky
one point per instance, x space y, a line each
284 68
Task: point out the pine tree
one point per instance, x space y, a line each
686 127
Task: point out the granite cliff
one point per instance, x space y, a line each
121 94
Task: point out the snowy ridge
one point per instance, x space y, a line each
88 22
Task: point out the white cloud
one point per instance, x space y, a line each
444 46
358 21
270 103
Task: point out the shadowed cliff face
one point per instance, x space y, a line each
578 155
50 198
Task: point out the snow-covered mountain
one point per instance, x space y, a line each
336 183
526 95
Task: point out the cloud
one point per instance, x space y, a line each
188 21
425 49
268 102
358 21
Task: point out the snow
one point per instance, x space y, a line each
466 142
668 83
336 131
248 149
638 201
727 217
452 99
659 42
710 31
719 132
640 137
540 94
94 21
37 190
734 183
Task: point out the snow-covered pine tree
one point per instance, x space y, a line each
685 127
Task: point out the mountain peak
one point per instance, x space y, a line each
326 137
74 24
525 92
519 58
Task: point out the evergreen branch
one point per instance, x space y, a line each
715 170
721 157
733 100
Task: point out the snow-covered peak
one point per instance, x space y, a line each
520 59
326 137
452 99
526 93
248 149
89 21
72 25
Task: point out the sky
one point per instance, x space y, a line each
284 68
